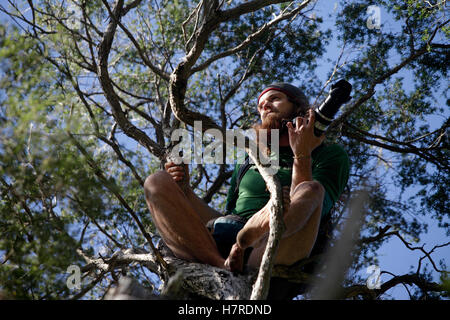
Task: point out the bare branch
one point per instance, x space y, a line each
253 37
425 155
221 178
277 227
383 234
141 53
120 156
111 96
353 291
337 67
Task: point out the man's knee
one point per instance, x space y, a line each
158 182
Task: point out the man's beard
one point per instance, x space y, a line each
272 121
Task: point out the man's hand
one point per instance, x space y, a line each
301 138
179 173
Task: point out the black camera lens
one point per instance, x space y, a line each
324 114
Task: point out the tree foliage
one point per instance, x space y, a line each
90 92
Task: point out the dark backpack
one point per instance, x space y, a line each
242 170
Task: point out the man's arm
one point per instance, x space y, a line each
303 141
301 172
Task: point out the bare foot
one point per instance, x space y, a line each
254 229
235 260
258 225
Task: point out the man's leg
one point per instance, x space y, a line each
178 222
302 224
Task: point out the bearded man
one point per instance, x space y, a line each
313 176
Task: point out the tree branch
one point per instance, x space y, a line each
371 91
218 182
418 280
438 162
111 96
277 227
114 190
252 37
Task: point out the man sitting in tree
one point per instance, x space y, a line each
312 174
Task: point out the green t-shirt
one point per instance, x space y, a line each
330 167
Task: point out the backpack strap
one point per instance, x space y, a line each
242 171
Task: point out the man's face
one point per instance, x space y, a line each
273 107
